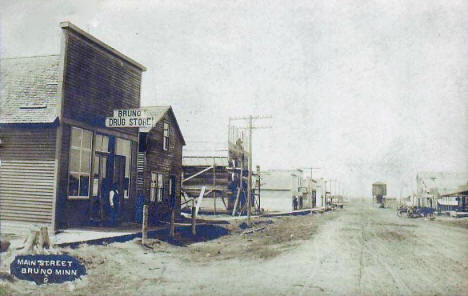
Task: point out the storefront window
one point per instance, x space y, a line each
80 163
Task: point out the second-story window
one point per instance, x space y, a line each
166 137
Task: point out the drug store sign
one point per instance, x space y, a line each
130 118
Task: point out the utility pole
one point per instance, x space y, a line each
250 128
249 181
258 186
324 197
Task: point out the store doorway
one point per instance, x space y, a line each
119 179
100 188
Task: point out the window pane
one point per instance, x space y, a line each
105 143
84 185
123 147
152 194
127 167
76 137
96 165
85 161
74 160
73 185
98 143
166 129
104 167
102 143
87 136
160 180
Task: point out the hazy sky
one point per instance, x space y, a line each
366 90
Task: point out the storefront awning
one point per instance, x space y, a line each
447 202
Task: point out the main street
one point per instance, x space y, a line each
360 250
363 251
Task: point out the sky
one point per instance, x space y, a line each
364 90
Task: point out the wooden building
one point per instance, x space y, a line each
220 175
213 173
279 187
58 160
160 162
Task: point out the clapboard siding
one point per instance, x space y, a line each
168 163
27 174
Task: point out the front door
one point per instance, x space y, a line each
101 186
172 192
119 179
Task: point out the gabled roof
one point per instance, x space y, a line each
28 89
158 113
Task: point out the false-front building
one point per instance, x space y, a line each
57 158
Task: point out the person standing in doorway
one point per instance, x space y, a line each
295 203
113 204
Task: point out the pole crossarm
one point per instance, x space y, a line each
250 117
254 127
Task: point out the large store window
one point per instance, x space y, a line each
124 148
80 163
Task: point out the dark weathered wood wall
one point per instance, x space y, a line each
194 185
166 162
97 82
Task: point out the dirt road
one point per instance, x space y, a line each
357 251
364 251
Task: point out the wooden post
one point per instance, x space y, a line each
194 221
44 242
144 225
236 201
214 184
172 227
30 242
249 179
311 197
241 176
259 187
